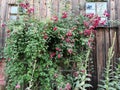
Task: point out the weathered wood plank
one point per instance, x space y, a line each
75 7
99 48
37 8
82 6
43 9
55 7
107 43
112 10
118 16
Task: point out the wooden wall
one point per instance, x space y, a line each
46 8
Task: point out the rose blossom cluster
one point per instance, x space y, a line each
93 22
27 7
67 37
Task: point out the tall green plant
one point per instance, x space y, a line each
108 81
82 79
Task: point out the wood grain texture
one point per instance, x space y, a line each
118 17
82 6
43 9
76 7
55 7
99 48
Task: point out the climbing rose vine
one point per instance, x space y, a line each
37 52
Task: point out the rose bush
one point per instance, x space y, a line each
37 53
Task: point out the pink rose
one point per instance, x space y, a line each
54 18
106 14
69 33
57 49
68 86
17 86
59 56
70 51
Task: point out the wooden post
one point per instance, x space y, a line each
118 17
100 50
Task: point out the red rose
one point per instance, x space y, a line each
23 5
57 49
87 32
67 40
91 15
3 25
45 36
106 14
31 10
8 31
64 15
69 33
86 24
55 28
27 5
52 54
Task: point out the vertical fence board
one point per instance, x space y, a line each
118 16
99 49
107 43
82 6
37 8
55 7
43 9
112 10
49 8
75 7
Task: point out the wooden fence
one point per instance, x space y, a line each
104 36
